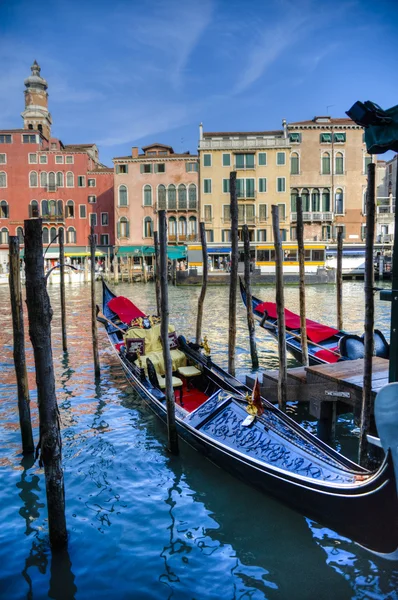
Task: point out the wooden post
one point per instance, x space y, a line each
369 316
164 326
50 446
85 269
97 370
108 266
14 281
157 270
301 258
280 306
339 279
205 276
62 286
249 308
116 269
393 370
234 273
174 272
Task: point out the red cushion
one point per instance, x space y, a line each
316 332
327 355
125 309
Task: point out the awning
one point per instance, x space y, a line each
173 252
218 250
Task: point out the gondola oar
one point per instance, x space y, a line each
296 335
103 318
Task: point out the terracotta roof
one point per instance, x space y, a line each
102 170
229 133
331 121
158 145
79 145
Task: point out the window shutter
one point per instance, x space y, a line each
141 168
118 229
156 168
117 169
127 229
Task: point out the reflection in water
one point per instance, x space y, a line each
153 526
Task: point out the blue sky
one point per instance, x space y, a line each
131 72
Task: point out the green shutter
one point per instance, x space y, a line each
226 160
262 184
250 188
117 169
280 158
127 229
207 160
295 137
250 161
240 188
326 138
339 137
240 161
118 229
262 159
225 186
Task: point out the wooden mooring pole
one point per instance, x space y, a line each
249 309
62 286
280 306
205 276
157 270
97 370
301 259
19 347
174 271
339 279
164 327
369 316
50 446
116 269
233 283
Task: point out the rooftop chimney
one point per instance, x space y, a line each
134 151
284 125
201 132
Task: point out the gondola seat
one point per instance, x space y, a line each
351 346
159 382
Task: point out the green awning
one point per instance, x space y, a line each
326 138
173 252
339 137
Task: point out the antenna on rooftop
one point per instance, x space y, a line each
327 108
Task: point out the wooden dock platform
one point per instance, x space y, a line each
330 389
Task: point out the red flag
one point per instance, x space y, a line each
256 397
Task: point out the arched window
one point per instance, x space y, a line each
182 227
123 228
172 227
4 210
60 179
162 197
192 197
147 195
43 179
60 208
19 233
305 195
3 179
33 179
294 163
34 209
70 210
316 200
122 195
339 202
192 227
52 205
148 227
339 167
44 208
171 197
45 236
53 234
182 197
71 235
326 163
293 200
70 180
326 201
51 181
4 236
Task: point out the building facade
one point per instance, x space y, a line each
145 183
261 161
386 197
328 169
65 185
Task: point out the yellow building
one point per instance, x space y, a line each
262 162
328 166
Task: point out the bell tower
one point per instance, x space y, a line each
36 115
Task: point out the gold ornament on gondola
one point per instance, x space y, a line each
206 346
251 408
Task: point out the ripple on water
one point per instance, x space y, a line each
143 524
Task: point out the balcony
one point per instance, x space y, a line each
386 238
310 217
384 214
250 195
243 144
52 188
247 220
53 218
244 168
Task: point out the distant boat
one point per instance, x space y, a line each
325 344
262 446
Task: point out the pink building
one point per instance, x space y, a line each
65 185
145 183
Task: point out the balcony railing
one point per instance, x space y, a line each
182 237
53 218
247 220
243 144
385 238
251 195
244 167
309 217
52 188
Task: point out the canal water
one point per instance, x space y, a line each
142 524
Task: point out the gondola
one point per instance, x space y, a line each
325 344
273 453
